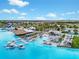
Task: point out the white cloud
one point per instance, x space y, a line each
40 18
51 15
14 11
18 3
78 11
68 13
10 11
24 14
6 11
21 18
32 10
60 18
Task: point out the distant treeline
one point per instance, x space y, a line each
47 21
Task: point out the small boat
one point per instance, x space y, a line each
11 45
21 46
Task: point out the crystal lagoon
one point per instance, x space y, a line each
34 49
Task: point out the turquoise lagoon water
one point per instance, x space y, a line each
34 50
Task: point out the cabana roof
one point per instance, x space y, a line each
20 32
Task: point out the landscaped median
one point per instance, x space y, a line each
75 42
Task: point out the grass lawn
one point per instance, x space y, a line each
75 42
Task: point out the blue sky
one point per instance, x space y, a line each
39 9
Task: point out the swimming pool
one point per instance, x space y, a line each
34 50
